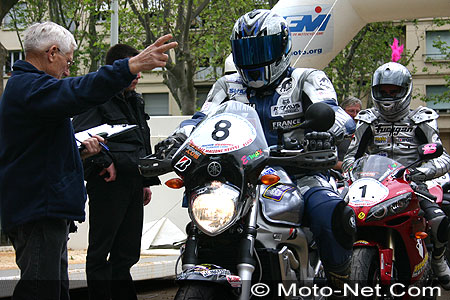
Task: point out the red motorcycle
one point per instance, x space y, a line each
390 257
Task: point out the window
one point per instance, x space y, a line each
433 40
157 104
202 93
436 90
102 14
10 60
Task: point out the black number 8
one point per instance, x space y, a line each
221 126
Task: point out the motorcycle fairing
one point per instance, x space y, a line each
367 192
232 136
281 202
386 262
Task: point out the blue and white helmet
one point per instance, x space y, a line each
261 46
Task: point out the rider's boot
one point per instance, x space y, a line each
337 278
439 224
440 267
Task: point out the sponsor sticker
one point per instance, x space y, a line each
285 124
276 191
286 109
183 163
393 130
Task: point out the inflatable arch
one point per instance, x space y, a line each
321 29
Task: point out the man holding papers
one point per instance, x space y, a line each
117 192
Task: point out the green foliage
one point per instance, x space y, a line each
213 30
76 16
351 70
201 27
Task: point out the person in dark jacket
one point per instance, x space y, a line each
117 192
41 175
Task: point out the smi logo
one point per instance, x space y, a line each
308 22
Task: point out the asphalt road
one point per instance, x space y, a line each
157 289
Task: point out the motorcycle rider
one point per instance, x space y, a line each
262 48
394 130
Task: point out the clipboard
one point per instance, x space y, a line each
106 131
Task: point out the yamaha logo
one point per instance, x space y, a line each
214 169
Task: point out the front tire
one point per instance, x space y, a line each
203 291
365 269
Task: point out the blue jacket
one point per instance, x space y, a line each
40 167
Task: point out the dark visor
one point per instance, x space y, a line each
388 92
256 51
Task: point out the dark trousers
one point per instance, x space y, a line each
41 255
115 230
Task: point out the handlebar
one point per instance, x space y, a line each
152 165
312 160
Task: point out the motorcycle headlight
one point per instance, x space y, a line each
390 207
214 206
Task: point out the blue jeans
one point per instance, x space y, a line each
320 205
41 255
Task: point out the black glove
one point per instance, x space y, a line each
318 141
417 175
170 144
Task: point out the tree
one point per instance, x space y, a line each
5 6
202 29
80 17
352 69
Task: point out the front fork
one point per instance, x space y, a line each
246 267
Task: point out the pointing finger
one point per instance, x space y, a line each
160 41
166 47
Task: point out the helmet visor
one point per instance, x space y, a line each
256 51
388 92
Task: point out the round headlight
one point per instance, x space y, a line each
213 207
380 213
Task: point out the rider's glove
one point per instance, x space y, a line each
416 175
318 141
173 142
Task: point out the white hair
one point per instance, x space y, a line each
40 36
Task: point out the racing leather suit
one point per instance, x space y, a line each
282 106
399 141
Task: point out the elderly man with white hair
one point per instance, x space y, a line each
41 179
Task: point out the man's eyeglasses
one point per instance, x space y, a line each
70 62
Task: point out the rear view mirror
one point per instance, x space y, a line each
319 117
430 151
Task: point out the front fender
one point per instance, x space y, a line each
385 256
211 273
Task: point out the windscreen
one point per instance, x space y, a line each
373 166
